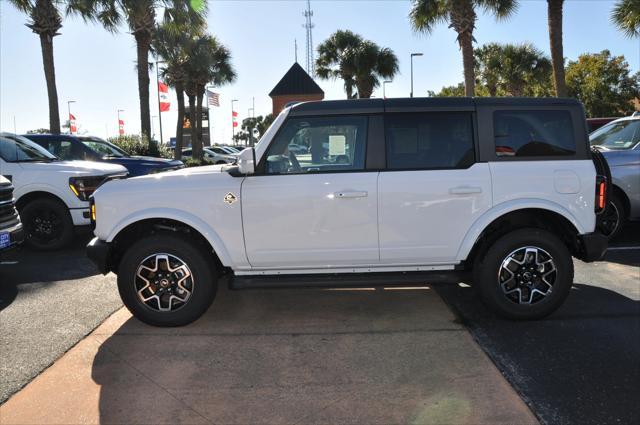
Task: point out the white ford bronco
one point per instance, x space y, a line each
384 192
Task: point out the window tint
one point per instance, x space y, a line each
617 135
429 140
533 133
19 149
325 144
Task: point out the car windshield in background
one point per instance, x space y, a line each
106 149
19 149
617 135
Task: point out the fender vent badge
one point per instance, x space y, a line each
230 198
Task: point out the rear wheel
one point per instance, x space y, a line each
613 218
526 274
47 223
166 280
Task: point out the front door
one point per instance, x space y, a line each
312 204
432 190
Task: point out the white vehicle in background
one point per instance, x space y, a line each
393 191
52 196
211 155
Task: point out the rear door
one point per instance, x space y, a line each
432 189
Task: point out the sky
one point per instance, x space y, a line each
96 69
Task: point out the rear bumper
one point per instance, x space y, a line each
593 246
99 252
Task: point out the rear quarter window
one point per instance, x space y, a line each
533 133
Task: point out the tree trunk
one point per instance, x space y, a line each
465 39
46 43
554 13
364 90
143 43
179 142
196 148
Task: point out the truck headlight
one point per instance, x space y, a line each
84 186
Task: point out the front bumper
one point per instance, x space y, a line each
99 252
593 246
16 236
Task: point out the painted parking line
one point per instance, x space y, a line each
623 248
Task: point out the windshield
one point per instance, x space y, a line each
15 148
104 148
617 135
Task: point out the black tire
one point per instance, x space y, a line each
203 285
613 219
488 274
48 224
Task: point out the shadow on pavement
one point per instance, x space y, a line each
24 266
579 366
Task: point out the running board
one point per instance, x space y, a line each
342 280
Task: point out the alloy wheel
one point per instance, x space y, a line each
527 275
164 282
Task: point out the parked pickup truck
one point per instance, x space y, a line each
11 232
391 191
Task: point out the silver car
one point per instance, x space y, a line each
619 142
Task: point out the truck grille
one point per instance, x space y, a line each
8 214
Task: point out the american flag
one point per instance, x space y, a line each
213 99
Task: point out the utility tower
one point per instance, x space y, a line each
308 25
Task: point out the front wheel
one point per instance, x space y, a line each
526 274
47 223
166 280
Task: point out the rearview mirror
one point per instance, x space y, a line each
247 161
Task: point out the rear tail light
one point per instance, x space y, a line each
601 194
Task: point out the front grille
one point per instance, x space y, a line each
8 214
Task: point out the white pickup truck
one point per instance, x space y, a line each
385 192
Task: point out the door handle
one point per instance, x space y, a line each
351 194
465 190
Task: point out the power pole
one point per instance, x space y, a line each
308 25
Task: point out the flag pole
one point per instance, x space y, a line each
158 90
206 90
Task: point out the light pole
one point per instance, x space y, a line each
158 88
384 88
119 133
250 113
412 55
69 102
153 126
233 123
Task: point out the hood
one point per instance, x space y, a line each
183 172
81 168
145 161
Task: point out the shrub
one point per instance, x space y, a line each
136 145
190 162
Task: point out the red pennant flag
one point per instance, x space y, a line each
234 115
163 92
121 127
72 124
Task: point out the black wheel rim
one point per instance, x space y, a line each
527 275
44 226
163 282
610 220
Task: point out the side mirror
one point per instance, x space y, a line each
247 161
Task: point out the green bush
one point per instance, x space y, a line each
190 162
136 145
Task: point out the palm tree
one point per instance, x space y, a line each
626 16
170 42
209 63
554 16
461 16
45 20
513 70
359 63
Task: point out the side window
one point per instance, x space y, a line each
433 140
533 133
61 149
8 150
326 144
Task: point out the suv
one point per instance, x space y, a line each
51 195
406 191
211 155
11 233
91 148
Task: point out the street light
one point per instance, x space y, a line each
384 88
412 55
119 110
69 102
251 112
233 127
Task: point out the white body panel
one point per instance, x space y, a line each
312 220
424 215
53 178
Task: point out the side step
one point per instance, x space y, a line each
342 280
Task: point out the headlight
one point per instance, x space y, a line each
92 212
83 187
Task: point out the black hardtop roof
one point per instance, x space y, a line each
377 105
